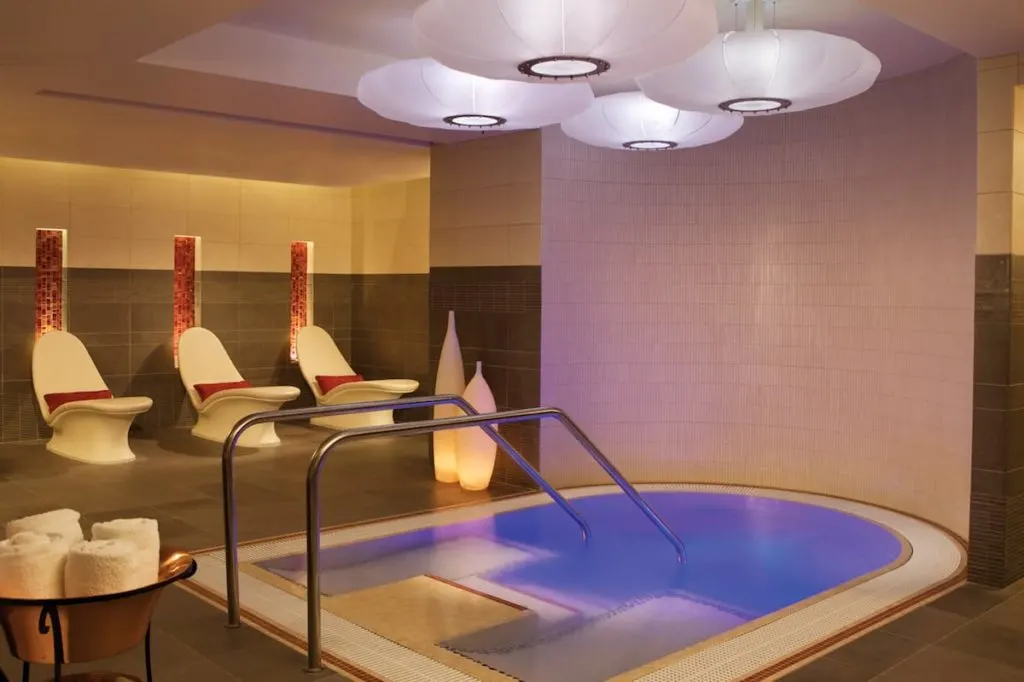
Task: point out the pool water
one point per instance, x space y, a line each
621 599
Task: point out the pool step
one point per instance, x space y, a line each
538 606
592 649
451 560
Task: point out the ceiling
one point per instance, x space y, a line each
263 88
73 90
108 133
326 45
982 28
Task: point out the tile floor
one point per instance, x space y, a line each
971 634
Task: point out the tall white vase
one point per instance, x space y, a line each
451 379
474 448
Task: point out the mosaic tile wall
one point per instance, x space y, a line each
186 262
792 307
301 290
50 284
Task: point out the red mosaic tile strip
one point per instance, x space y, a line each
301 294
184 287
51 280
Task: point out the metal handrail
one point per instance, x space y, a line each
296 414
485 421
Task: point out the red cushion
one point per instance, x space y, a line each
55 400
328 384
207 390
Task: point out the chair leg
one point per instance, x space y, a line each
149 658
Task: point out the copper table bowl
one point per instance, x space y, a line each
88 628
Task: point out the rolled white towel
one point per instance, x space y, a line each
143 533
63 522
104 567
32 566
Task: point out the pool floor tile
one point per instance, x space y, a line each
988 641
926 624
970 601
939 664
828 669
1009 614
877 651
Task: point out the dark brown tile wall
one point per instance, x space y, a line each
997 475
19 417
497 316
332 308
124 319
249 312
390 331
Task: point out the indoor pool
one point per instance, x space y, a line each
591 611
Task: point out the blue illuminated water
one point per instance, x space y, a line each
747 557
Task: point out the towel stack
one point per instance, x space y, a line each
46 557
32 566
63 522
104 567
144 534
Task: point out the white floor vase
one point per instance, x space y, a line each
474 448
451 379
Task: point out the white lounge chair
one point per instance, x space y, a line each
333 382
219 393
89 424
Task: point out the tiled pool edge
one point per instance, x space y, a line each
935 566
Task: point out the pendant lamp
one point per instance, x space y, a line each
427 94
563 39
628 120
765 71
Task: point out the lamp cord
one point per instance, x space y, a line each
563 27
755 15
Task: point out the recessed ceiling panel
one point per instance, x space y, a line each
327 45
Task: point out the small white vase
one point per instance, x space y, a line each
451 380
473 447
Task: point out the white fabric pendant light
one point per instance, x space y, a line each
759 71
427 94
563 39
628 120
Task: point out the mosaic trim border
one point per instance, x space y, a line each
301 299
937 563
186 287
51 304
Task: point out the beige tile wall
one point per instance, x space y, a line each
118 218
1001 155
391 228
485 209
792 307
